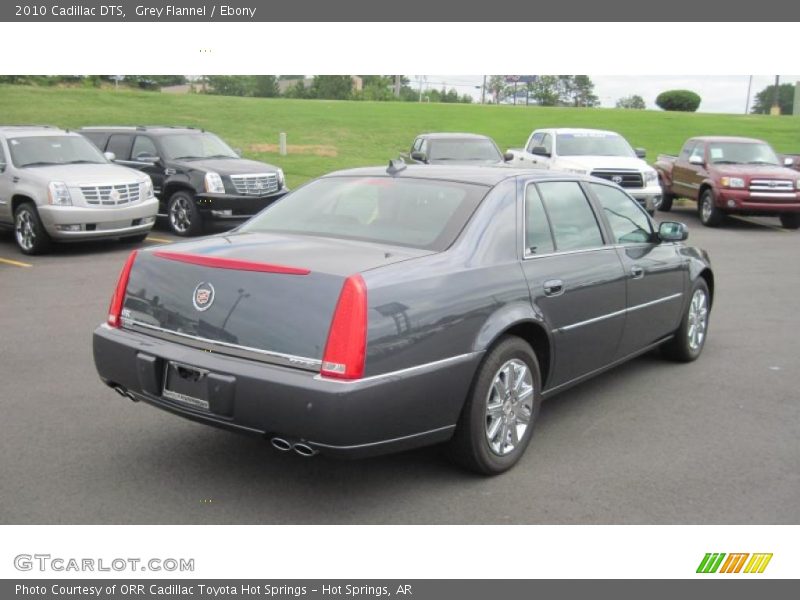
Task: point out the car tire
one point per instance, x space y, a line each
666 201
690 338
183 215
500 413
790 220
29 233
135 239
710 215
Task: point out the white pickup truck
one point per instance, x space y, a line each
595 152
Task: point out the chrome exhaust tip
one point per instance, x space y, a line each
304 450
121 391
281 444
130 396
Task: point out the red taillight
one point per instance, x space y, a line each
346 349
115 309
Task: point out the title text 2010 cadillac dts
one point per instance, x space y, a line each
374 310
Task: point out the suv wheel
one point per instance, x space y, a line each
710 215
29 231
184 218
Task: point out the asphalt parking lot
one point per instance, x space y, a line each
715 441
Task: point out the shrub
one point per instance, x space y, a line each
680 100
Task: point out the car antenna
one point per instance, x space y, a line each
395 166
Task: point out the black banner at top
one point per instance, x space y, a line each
405 11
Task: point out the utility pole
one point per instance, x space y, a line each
483 91
749 88
776 105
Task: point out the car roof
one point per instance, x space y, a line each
33 130
488 176
450 135
725 138
582 130
156 129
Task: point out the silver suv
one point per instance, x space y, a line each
56 185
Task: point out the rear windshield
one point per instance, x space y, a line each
419 213
464 149
42 151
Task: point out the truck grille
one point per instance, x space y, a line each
111 195
623 178
255 185
771 186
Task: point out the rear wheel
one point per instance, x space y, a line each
690 337
497 421
710 215
790 220
29 232
184 217
667 199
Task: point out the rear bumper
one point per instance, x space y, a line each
376 415
98 223
241 207
744 202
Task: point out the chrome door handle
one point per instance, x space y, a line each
637 272
553 287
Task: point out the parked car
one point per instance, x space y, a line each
56 186
197 176
455 149
731 175
594 152
375 310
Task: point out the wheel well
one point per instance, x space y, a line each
177 187
20 199
702 190
709 277
536 337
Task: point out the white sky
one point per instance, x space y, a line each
720 93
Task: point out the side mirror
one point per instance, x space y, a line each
146 158
788 161
419 156
696 160
540 151
110 156
672 231
641 153
508 156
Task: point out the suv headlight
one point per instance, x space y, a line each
58 194
281 179
650 178
146 189
732 182
214 183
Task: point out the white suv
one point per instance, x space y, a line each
56 185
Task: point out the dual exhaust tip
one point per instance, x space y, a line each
125 393
285 445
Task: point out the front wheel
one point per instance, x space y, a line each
497 421
29 232
184 217
690 337
790 220
710 215
666 201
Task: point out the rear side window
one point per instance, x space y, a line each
627 219
120 145
571 217
420 213
538 237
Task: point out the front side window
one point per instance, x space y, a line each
419 213
120 145
687 150
536 140
697 152
143 146
571 217
538 237
628 221
41 151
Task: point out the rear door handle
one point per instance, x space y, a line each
553 287
637 272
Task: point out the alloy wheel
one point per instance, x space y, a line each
509 407
698 320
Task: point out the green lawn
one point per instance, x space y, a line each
366 133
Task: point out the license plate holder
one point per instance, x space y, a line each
186 385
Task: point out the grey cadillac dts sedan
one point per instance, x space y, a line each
374 310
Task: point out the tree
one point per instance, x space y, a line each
230 85
377 87
497 87
678 100
582 91
766 97
332 87
265 86
546 90
298 90
634 101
